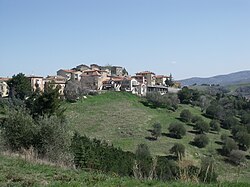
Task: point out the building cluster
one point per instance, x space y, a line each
95 77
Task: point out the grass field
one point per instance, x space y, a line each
121 119
18 172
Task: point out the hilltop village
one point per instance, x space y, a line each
100 78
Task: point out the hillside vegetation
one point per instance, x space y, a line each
18 172
122 120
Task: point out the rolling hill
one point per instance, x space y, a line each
229 79
122 120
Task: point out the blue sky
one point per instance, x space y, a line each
184 37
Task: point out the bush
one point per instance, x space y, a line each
177 130
179 150
169 101
201 140
207 172
19 129
229 145
166 170
156 132
185 115
143 161
215 111
215 125
237 157
196 118
245 118
97 155
52 140
243 138
201 126
223 137
229 122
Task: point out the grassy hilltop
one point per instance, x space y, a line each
122 119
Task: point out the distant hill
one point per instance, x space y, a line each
229 79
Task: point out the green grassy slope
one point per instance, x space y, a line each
18 172
120 118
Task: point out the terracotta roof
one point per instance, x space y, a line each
137 76
4 79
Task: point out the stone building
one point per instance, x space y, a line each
36 82
149 77
4 88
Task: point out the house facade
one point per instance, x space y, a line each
149 77
4 88
36 82
57 82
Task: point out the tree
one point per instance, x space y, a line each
20 86
169 81
245 118
237 157
179 150
46 103
196 118
156 132
186 115
169 101
215 111
229 145
185 95
74 90
201 126
223 137
201 140
177 130
229 122
215 125
244 140
203 102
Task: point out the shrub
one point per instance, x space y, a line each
229 122
229 145
201 126
177 130
223 137
156 132
243 138
166 170
201 140
207 172
52 139
215 125
143 161
245 118
185 115
179 150
196 118
169 101
19 129
237 157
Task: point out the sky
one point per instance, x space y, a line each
187 38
